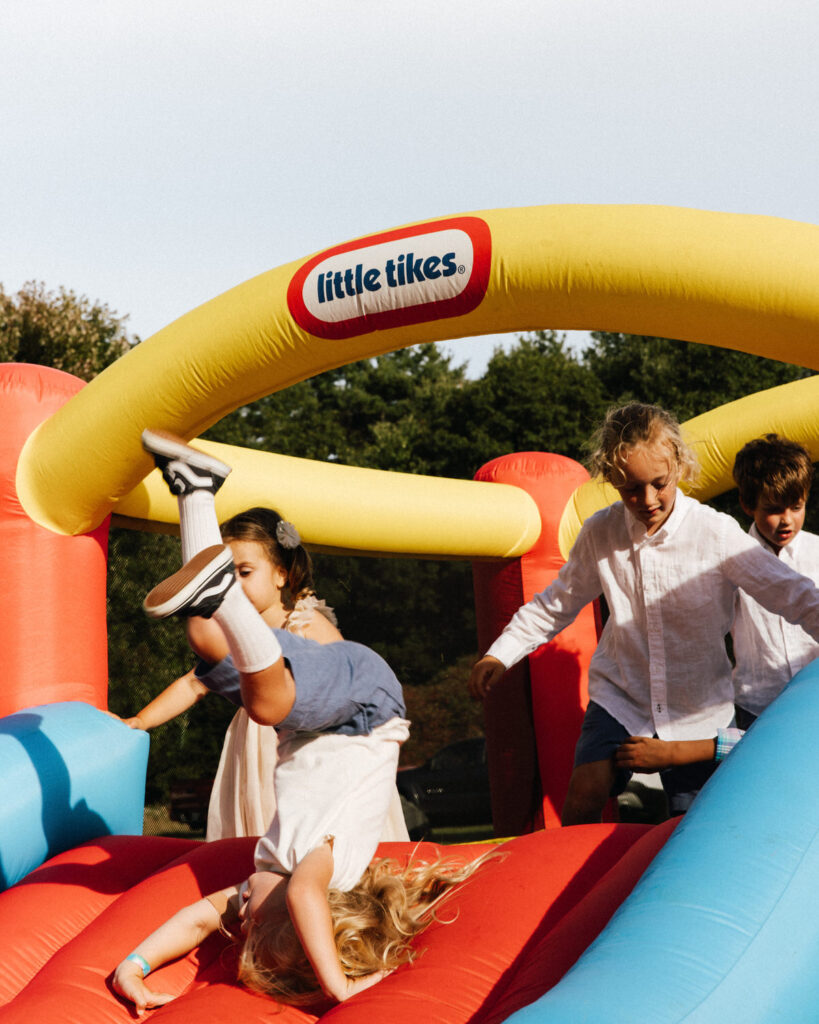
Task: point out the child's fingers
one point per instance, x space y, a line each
485 674
625 754
356 985
158 999
150 1000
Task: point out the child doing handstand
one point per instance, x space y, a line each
275 572
340 715
774 477
669 569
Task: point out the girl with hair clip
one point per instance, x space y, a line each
275 570
339 712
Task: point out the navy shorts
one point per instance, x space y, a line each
601 735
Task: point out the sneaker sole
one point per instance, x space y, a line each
189 586
169 446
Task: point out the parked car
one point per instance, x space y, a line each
452 788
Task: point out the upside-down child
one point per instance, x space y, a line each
275 571
773 476
339 712
669 569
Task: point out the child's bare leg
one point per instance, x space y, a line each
206 586
207 639
589 789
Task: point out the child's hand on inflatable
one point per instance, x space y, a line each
485 674
356 985
132 723
129 984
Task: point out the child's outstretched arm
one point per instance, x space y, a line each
310 914
180 695
186 930
647 754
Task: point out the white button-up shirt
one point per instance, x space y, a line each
661 665
769 650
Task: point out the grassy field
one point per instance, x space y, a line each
157 823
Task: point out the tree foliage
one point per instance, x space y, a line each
684 378
59 329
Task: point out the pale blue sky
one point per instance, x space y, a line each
155 154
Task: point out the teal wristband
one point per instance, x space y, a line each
141 962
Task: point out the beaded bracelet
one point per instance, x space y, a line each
141 962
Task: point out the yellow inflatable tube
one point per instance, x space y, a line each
357 511
739 281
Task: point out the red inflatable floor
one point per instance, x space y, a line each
513 930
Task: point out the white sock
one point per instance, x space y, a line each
198 524
253 644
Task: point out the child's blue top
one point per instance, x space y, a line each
343 687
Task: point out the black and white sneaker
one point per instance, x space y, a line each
184 469
197 589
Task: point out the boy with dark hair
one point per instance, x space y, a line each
773 476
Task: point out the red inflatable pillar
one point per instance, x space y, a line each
533 720
52 602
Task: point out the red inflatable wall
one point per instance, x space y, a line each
533 720
52 602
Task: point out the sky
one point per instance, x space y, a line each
155 154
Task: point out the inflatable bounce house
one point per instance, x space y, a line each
709 921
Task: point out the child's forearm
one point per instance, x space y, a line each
186 930
310 912
647 754
691 751
181 695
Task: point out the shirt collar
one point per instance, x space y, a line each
788 552
637 532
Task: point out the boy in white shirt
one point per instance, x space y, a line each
773 476
670 569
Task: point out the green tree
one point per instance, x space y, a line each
538 396
687 379
61 330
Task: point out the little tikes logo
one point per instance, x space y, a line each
407 276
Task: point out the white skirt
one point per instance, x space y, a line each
329 784
243 798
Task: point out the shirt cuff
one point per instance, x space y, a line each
727 739
507 650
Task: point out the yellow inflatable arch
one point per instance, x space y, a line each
737 281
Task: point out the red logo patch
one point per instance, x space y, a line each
408 276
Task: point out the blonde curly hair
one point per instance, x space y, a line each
629 426
374 924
